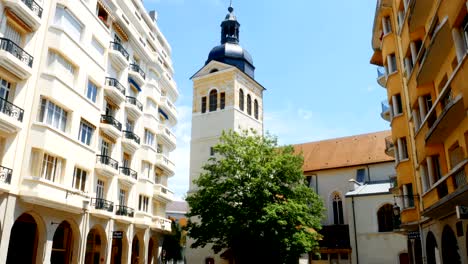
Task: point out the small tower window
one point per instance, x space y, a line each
222 100
337 209
249 105
256 109
213 100
241 100
203 104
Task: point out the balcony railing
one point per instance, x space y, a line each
135 102
10 109
124 211
35 8
129 172
136 68
106 160
114 83
132 136
5 174
107 119
118 47
102 204
17 51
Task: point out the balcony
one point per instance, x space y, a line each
450 190
130 141
389 146
10 120
128 176
163 194
385 114
114 90
134 107
381 77
118 55
335 237
14 59
163 162
28 11
419 12
169 109
111 126
436 53
166 136
102 208
162 224
452 115
5 179
125 211
106 165
137 74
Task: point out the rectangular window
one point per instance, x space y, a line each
51 168
428 102
91 91
159 149
387 25
437 169
79 179
97 47
14 35
149 138
146 169
404 149
58 63
53 115
361 175
64 19
100 189
122 197
392 63
222 100
203 104
143 203
86 132
398 107
5 87
105 147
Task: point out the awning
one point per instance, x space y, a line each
119 29
130 80
163 113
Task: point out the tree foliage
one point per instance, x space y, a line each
252 200
173 244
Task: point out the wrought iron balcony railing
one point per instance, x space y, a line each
10 109
124 211
5 174
35 7
135 102
102 204
15 50
107 119
132 136
136 68
106 160
118 47
113 82
129 172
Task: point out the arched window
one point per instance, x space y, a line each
385 218
256 109
337 209
249 105
241 100
213 100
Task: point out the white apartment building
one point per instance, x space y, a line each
86 117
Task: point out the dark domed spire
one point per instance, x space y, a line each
230 52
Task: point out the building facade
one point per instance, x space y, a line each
421 47
225 97
341 171
86 117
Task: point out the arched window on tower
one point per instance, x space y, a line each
249 105
241 100
385 218
213 100
256 109
337 209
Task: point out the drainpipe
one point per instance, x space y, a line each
355 233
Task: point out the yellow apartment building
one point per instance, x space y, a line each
421 47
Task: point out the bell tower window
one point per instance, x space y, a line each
241 100
213 100
249 105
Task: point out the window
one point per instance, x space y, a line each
146 169
79 179
149 138
64 19
91 91
241 100
222 100
337 209
387 25
151 106
407 198
5 87
143 203
12 34
361 175
404 148
203 104
105 147
249 105
102 14
53 115
97 47
385 218
51 168
122 197
391 63
100 189
437 171
62 65
397 106
159 148
256 109
427 102
86 132
213 100
456 155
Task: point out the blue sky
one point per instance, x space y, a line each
312 57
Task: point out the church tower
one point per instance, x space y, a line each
225 97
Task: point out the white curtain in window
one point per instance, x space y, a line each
13 35
68 22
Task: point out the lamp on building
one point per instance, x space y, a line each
396 216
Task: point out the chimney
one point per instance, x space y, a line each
353 184
153 15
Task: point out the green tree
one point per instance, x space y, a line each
173 244
252 201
